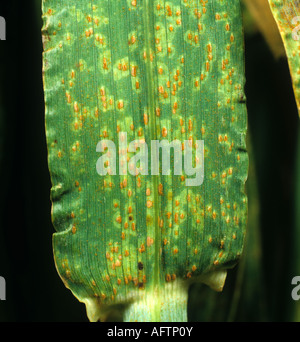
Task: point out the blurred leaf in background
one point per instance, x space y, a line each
274 128
260 18
287 16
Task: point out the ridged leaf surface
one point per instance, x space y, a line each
155 70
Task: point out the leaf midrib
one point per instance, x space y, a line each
149 39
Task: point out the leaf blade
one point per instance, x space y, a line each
153 70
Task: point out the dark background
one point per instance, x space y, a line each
259 289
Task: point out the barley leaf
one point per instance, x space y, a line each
141 71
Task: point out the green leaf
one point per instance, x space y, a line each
287 16
156 70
